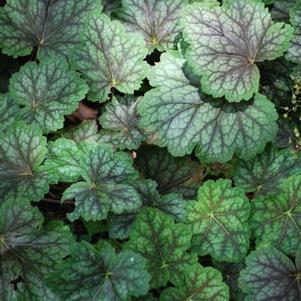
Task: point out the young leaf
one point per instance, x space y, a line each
47 92
163 243
29 251
157 21
180 118
8 111
294 52
197 283
53 27
270 275
264 173
180 175
98 273
22 150
106 185
277 219
120 123
220 221
110 58
227 42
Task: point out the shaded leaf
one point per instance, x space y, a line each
180 175
119 123
266 171
29 251
276 219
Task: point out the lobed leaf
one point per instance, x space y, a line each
227 42
219 220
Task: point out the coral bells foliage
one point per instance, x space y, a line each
149 150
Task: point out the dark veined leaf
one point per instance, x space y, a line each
163 243
8 111
29 251
47 92
179 117
180 175
172 204
64 158
110 6
264 173
120 123
280 9
276 81
231 272
220 221
270 275
197 283
158 21
110 58
105 184
22 150
86 131
294 52
53 27
227 42
277 219
98 273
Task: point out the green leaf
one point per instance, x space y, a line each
264 173
294 52
8 111
270 275
86 131
98 273
46 93
114 58
51 27
120 123
110 6
197 283
277 219
64 158
106 184
220 221
179 117
180 175
158 22
29 250
22 150
163 243
227 42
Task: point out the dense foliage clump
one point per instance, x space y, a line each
149 150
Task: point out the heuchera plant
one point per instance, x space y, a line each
149 150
